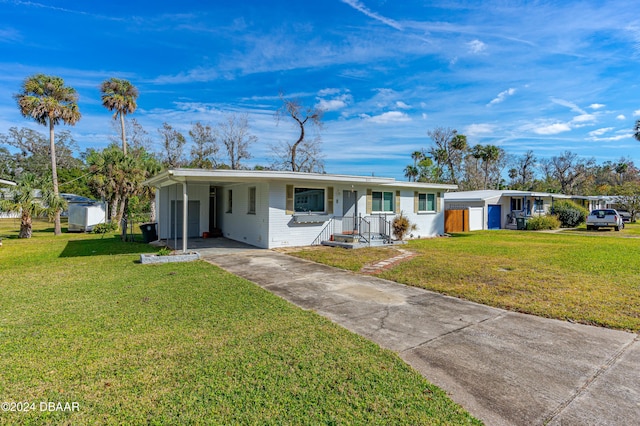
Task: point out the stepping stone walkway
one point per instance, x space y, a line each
378 267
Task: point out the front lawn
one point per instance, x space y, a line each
81 321
587 277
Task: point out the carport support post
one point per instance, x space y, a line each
185 215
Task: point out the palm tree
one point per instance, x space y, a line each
489 155
47 100
22 199
417 156
411 173
119 96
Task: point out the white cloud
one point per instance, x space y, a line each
388 117
621 117
364 9
479 129
502 96
335 104
596 106
600 132
196 75
331 105
552 129
476 46
636 113
402 105
611 138
583 119
569 104
328 91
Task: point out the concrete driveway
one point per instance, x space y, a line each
503 367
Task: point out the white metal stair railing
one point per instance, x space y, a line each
326 233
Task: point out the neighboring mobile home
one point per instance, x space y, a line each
271 209
497 209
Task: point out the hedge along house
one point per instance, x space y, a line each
270 209
496 209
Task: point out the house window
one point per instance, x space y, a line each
382 201
309 200
229 201
426 202
252 200
538 205
516 204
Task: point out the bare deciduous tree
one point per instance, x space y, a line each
569 171
234 133
173 144
303 155
205 147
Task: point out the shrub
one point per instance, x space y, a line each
103 228
569 213
401 225
164 251
543 222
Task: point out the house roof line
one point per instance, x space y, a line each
482 195
172 176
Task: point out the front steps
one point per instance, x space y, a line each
354 241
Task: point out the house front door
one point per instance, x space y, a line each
349 211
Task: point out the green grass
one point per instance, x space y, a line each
587 277
81 321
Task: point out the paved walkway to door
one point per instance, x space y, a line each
503 367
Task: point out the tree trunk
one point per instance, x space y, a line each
113 209
152 208
124 137
121 208
294 147
57 230
125 222
25 225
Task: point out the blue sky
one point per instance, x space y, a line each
546 75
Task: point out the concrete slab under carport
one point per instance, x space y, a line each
503 367
209 246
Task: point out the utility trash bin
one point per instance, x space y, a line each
521 223
149 231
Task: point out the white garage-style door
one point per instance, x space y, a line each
476 218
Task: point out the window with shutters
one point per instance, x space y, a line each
309 200
382 201
426 202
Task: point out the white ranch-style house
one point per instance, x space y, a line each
271 209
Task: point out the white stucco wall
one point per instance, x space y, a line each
429 224
239 224
283 231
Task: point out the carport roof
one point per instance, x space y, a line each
174 176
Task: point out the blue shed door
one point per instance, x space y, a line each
495 213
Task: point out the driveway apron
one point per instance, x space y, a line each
505 368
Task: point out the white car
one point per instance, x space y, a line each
604 218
